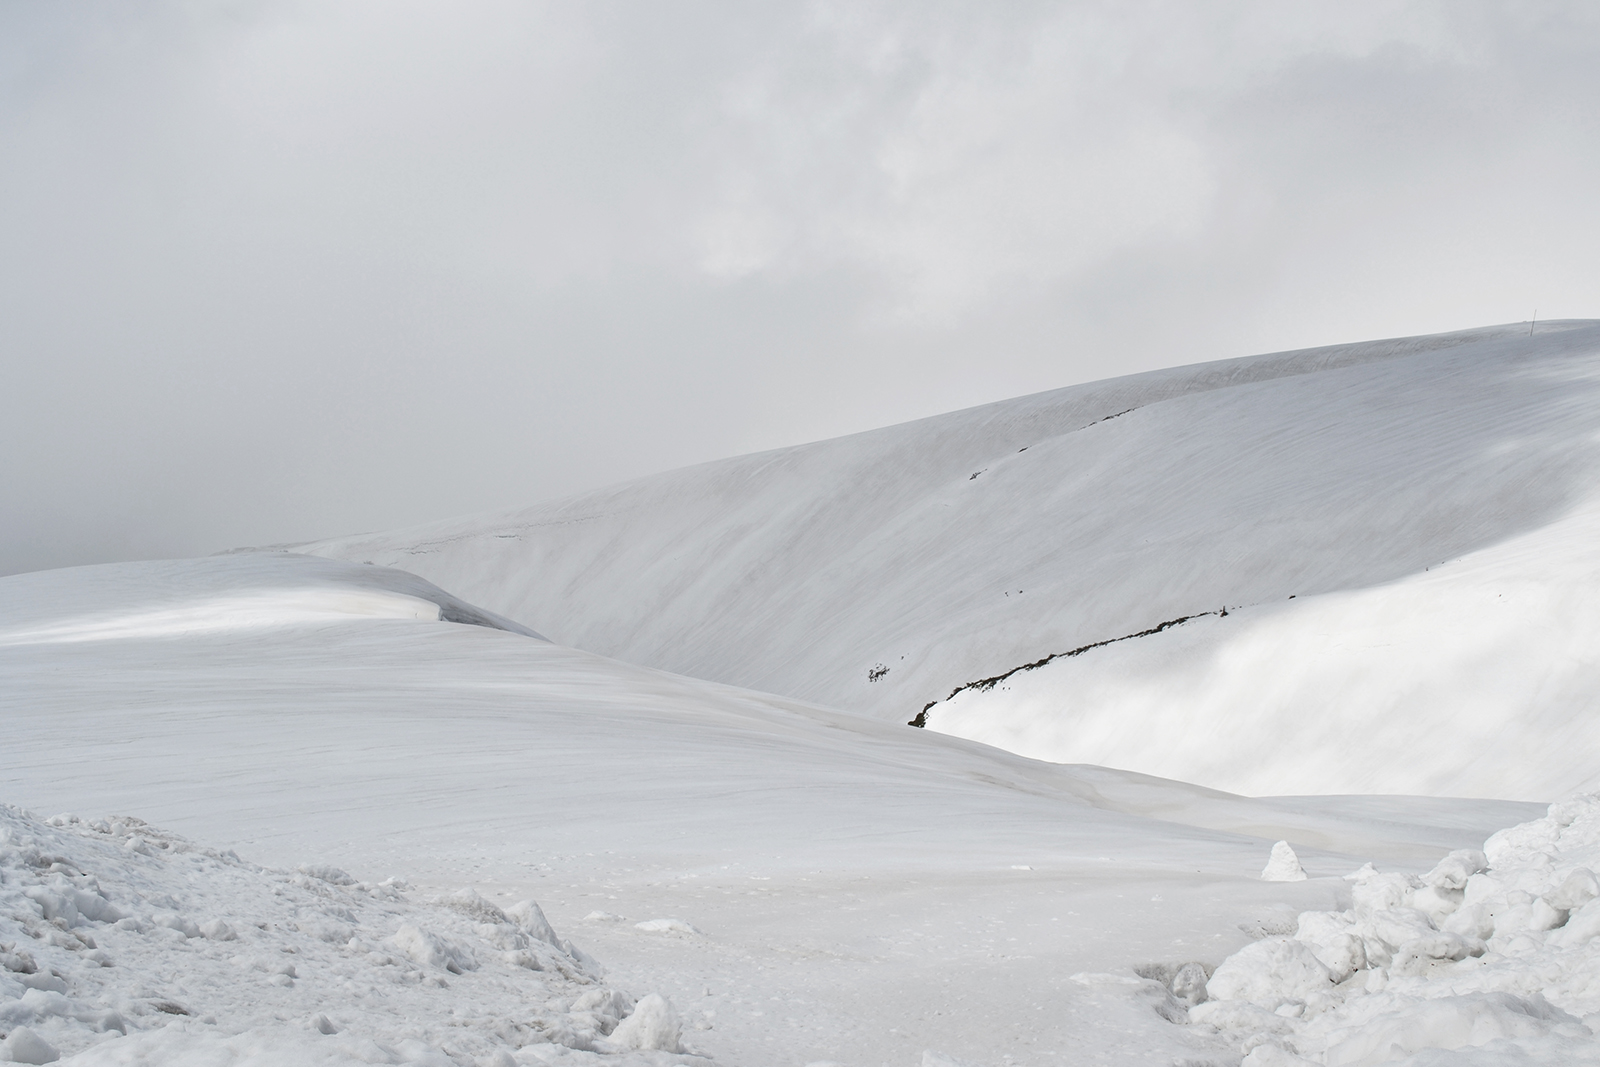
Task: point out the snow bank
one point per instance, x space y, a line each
123 945
1492 957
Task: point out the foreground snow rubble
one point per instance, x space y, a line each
1492 957
123 945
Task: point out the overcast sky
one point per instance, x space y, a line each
281 270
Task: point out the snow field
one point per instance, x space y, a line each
862 890
1492 957
124 945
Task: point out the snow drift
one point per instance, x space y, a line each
1492 957
1360 568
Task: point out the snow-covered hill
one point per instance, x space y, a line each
1360 568
1365 567
800 884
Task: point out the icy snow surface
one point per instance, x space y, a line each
1393 545
793 884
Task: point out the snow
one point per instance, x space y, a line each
1494 951
121 944
1477 675
1283 865
862 891
230 593
1385 554
415 831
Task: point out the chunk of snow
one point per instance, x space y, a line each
1269 972
652 1025
529 918
431 950
218 930
1333 939
1577 889
1382 892
326 873
1283 865
470 903
1453 871
25 1046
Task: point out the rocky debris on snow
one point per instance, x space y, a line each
1491 957
124 945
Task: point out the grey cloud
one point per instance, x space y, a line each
272 271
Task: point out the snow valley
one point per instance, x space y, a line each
433 796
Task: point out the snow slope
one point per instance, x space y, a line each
1480 676
1427 503
812 884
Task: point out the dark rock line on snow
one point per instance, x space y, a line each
983 685
1108 418
1096 422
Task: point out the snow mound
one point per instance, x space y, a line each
123 945
652 1025
1492 957
1283 865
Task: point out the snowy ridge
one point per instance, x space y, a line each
1490 958
124 945
174 598
1360 512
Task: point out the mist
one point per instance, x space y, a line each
273 271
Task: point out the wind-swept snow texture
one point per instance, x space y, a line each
1387 556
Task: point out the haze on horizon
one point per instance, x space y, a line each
274 271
